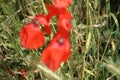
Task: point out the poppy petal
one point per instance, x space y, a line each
62 3
64 23
42 20
53 11
31 37
47 29
63 32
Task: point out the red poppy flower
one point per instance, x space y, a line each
31 37
58 51
63 15
41 19
53 11
62 3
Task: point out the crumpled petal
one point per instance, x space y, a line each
62 3
64 22
31 37
57 52
53 11
42 20
63 15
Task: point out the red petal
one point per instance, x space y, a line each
64 23
31 37
53 11
56 53
47 29
42 19
63 32
64 16
62 3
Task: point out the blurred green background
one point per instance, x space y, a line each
95 41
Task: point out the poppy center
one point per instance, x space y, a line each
60 40
36 22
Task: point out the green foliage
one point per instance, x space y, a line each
95 41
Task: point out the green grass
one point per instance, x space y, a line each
95 41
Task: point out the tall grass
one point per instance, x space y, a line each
95 41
